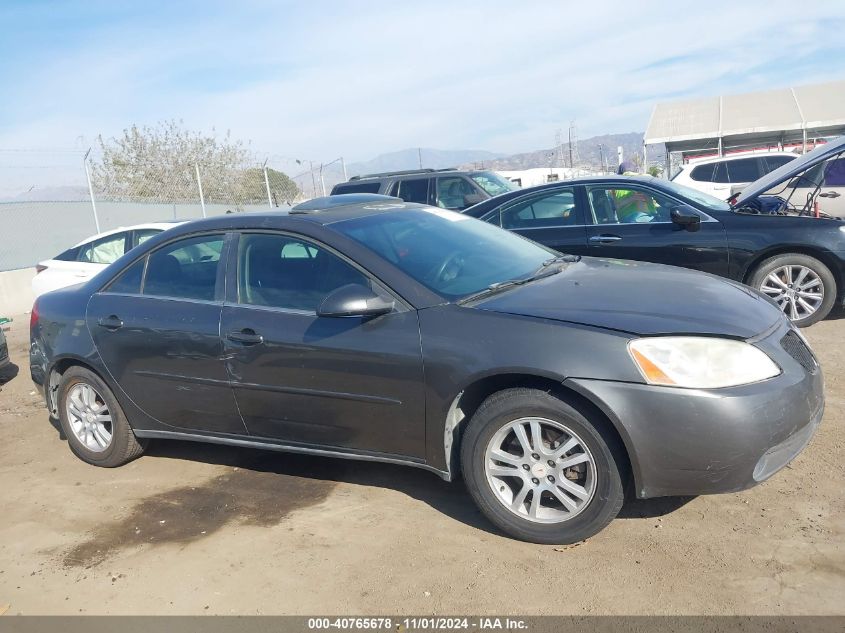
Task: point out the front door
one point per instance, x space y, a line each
553 218
633 222
156 328
344 383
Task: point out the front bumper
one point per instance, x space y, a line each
693 442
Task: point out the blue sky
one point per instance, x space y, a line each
323 79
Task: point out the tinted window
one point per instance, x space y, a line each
413 190
703 173
556 209
493 183
356 187
628 206
452 254
186 269
773 162
452 192
103 251
834 173
720 174
286 272
743 170
129 281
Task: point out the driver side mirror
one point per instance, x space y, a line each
686 217
354 300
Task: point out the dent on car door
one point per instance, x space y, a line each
347 383
633 222
554 218
156 328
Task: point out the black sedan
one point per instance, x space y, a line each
770 242
380 330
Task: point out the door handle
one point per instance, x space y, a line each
604 239
246 336
830 194
112 322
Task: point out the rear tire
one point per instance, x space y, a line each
93 422
797 283
573 502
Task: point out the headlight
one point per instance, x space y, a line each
699 362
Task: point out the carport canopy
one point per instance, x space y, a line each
780 117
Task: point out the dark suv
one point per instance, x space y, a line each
445 188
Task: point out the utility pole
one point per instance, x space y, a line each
313 182
91 189
322 182
343 166
419 155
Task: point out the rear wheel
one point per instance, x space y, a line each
539 469
802 286
93 422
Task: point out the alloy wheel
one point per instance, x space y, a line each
798 290
540 470
89 417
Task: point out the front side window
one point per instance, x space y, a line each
773 162
452 192
142 235
415 190
104 251
282 271
452 254
186 269
834 173
628 205
550 210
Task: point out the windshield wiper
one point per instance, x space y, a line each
542 272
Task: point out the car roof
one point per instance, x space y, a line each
695 162
414 173
147 225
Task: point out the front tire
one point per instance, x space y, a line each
802 286
539 469
93 422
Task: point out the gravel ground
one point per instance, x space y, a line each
197 529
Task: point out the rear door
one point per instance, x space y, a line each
350 383
412 190
632 221
554 217
157 329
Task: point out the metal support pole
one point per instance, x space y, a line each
199 185
343 166
645 159
91 190
267 185
322 181
313 182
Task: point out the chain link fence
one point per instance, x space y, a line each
53 199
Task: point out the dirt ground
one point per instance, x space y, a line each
198 529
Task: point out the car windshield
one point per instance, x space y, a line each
449 253
493 183
704 199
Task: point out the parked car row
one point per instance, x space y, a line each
366 327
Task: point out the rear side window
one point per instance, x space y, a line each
413 190
703 173
557 209
743 170
142 235
286 272
106 250
356 187
720 174
129 281
186 269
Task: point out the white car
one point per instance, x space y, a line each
723 176
90 256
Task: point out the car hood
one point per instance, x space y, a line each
790 170
640 298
